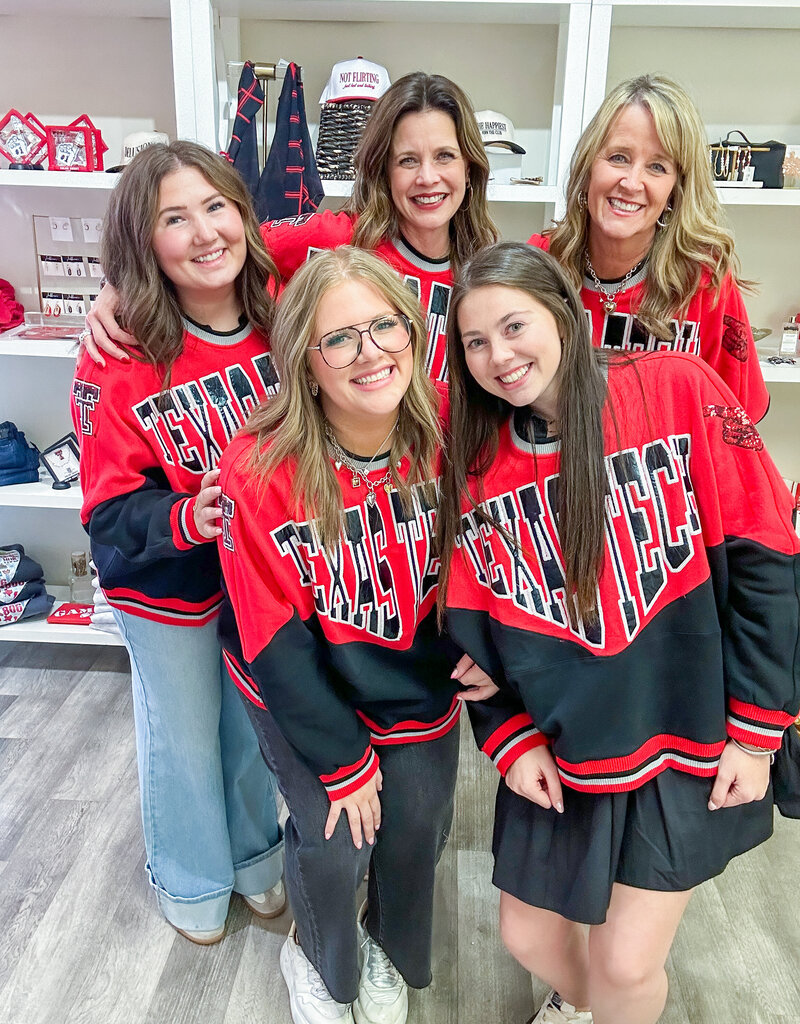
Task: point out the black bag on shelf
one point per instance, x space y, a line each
19 461
730 157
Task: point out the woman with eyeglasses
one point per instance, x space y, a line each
328 500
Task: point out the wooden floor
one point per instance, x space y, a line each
81 941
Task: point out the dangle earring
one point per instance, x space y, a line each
313 387
663 220
582 198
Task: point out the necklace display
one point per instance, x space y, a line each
610 304
360 475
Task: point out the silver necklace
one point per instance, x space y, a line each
360 475
610 304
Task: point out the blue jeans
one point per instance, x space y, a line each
208 799
322 876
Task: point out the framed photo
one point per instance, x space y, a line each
62 459
69 148
21 137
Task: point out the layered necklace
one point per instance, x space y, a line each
360 474
610 298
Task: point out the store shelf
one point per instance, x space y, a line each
41 631
759 196
770 14
40 495
60 179
462 11
56 349
781 374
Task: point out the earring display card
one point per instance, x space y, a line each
68 264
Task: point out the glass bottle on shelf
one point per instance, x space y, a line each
80 582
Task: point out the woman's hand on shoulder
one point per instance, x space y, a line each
363 810
206 507
478 686
534 775
742 778
105 330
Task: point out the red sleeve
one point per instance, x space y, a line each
291 242
727 345
540 242
745 514
286 661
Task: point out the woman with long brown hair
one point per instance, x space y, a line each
328 503
419 203
618 553
644 237
181 245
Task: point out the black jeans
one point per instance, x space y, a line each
322 876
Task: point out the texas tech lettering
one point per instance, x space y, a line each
435 318
623 331
651 520
189 421
377 568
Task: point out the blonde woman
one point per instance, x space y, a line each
644 240
419 202
181 245
328 501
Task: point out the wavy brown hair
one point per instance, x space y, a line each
695 237
291 426
148 306
471 227
476 417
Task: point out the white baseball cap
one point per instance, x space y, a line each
357 79
135 142
497 131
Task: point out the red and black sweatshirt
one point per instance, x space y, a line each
143 455
715 327
698 632
291 242
341 646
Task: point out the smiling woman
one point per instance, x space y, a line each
181 246
644 239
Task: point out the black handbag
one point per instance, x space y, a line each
730 158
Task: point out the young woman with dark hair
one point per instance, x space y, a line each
618 553
419 203
181 245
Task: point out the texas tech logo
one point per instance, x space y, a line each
227 507
378 574
86 397
193 423
651 522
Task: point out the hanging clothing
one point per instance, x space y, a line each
243 147
290 184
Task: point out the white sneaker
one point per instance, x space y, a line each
268 904
310 1001
201 938
382 991
555 1010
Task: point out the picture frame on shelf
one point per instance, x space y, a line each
62 459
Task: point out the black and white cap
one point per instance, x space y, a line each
497 131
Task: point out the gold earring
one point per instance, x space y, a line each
313 387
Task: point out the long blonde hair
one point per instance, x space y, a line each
148 305
291 426
694 238
471 227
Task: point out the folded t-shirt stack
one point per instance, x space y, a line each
22 589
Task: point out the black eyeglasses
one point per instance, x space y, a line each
391 332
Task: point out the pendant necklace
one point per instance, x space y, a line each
610 303
360 475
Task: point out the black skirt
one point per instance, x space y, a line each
661 836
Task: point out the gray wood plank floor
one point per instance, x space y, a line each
81 941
